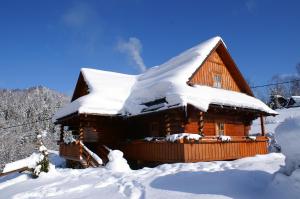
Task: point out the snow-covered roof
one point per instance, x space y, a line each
113 93
108 92
294 101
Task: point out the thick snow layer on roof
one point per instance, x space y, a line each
107 93
114 93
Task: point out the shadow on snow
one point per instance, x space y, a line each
231 183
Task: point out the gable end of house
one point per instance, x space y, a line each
219 66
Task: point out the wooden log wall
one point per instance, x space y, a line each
103 130
209 128
235 123
214 65
174 122
156 124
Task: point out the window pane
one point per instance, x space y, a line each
220 128
217 81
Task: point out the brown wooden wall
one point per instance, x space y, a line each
98 130
156 124
232 129
71 151
203 151
236 123
214 65
81 88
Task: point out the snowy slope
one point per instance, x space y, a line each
244 178
254 177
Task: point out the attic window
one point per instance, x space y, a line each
217 81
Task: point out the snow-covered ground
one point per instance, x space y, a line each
244 178
270 176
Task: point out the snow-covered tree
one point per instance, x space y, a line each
24 112
43 163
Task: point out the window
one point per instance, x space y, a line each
220 128
217 81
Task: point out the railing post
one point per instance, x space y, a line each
61 136
80 138
167 124
262 124
200 123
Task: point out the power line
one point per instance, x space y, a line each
8 127
273 84
47 119
37 121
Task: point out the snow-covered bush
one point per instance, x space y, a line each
116 162
42 163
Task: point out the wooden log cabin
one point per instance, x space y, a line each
201 91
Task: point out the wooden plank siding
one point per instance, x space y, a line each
194 152
235 123
231 129
214 65
160 151
70 151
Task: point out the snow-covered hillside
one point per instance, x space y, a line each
26 106
270 176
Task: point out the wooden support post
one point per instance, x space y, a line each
167 124
262 124
200 123
80 138
61 135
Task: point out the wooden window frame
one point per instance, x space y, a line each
217 84
218 126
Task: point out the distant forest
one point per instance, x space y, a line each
23 113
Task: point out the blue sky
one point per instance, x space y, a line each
46 42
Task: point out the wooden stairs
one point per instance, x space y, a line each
87 159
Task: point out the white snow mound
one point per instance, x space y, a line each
288 136
116 162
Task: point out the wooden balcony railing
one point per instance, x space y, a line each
207 149
77 152
70 151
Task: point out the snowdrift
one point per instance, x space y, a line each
288 136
